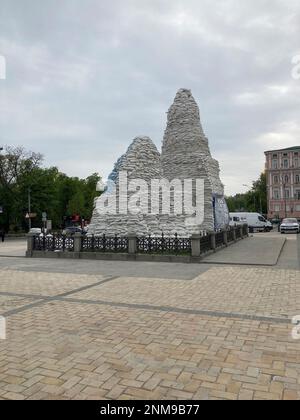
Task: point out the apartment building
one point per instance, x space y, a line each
283 182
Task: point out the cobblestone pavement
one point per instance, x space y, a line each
226 334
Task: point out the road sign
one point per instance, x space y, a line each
44 216
30 215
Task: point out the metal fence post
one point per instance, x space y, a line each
213 244
195 240
242 232
225 237
234 234
77 242
132 243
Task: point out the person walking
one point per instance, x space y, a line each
2 234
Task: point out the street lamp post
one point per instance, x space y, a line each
283 180
29 208
254 199
285 197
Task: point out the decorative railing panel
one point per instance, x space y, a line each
162 245
230 236
53 243
205 244
104 244
219 239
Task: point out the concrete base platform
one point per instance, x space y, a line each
256 250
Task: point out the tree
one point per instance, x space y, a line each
76 205
51 191
254 200
15 164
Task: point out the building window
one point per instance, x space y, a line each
298 207
277 207
286 163
276 179
286 179
297 195
287 193
297 179
274 164
276 195
296 163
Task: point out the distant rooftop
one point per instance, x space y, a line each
284 150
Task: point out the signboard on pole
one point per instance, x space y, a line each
49 224
44 216
30 215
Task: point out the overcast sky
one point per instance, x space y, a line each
86 77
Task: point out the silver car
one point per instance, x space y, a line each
290 225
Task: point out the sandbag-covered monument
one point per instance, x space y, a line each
160 184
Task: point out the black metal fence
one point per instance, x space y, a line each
138 245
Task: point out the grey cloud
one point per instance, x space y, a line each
84 78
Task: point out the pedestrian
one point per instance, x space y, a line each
2 234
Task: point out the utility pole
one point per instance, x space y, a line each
285 198
260 201
29 207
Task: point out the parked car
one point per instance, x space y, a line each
253 220
71 230
35 231
276 221
86 229
290 225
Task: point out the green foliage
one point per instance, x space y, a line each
50 190
254 200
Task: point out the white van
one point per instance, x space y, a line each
253 220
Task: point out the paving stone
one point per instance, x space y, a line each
56 350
